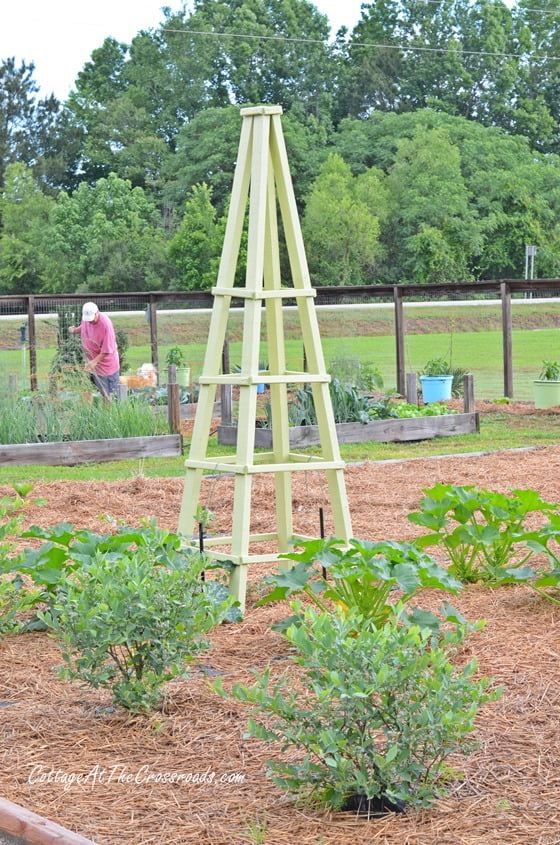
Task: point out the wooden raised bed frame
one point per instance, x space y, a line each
70 452
19 826
382 431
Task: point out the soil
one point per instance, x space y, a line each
508 791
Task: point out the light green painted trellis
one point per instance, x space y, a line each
262 178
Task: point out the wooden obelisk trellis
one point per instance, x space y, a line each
262 178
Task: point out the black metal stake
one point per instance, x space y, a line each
201 547
322 534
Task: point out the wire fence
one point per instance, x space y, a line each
467 323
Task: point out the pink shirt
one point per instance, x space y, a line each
100 337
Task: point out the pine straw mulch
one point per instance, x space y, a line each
510 789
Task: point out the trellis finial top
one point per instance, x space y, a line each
255 110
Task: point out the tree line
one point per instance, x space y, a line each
423 145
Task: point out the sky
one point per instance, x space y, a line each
58 36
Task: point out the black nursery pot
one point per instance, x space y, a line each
374 807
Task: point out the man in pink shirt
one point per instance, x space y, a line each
100 348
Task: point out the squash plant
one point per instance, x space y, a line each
362 577
546 542
483 532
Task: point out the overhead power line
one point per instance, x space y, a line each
366 45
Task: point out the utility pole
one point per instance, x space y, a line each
530 253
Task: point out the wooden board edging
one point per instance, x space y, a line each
19 826
382 431
70 452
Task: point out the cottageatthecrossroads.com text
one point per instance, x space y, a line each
124 775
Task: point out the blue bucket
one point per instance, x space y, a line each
436 388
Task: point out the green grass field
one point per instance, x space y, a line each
479 352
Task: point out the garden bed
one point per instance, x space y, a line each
70 452
382 431
508 791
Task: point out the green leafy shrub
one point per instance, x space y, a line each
484 533
15 599
129 626
436 367
550 371
374 715
361 578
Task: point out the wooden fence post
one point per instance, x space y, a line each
507 339
225 389
152 320
468 393
399 338
32 343
173 406
411 389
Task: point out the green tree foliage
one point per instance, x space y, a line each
120 134
446 114
430 226
195 246
272 65
340 228
538 77
472 201
460 57
25 214
106 237
33 132
206 151
131 104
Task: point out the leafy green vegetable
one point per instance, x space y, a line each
361 578
484 533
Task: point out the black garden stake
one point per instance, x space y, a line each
201 547
322 533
